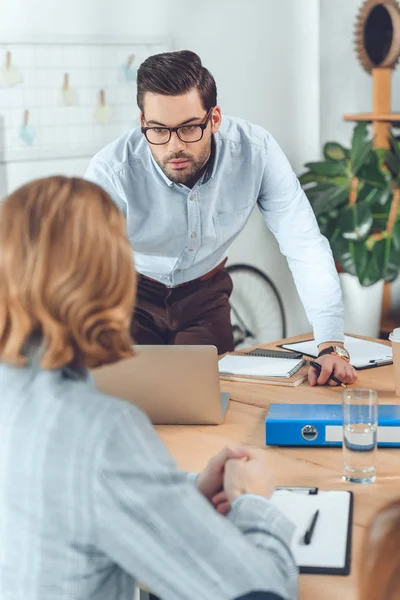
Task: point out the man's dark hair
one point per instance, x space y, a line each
174 74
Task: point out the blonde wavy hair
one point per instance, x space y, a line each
66 275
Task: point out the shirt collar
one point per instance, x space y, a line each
210 170
33 349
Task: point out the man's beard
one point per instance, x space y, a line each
189 174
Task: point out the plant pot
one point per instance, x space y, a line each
362 306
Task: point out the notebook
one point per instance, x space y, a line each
293 381
258 366
364 354
269 353
329 551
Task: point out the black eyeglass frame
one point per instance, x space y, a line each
171 130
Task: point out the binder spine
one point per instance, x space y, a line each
317 433
298 433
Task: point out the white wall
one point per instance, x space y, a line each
345 87
88 17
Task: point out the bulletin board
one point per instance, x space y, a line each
68 97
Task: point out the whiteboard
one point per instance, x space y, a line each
41 117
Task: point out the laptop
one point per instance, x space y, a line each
173 385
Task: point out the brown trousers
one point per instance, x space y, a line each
196 312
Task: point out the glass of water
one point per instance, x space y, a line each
360 428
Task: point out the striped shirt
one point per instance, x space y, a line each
91 502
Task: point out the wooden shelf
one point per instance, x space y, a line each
384 117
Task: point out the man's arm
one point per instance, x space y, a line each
158 527
290 217
101 173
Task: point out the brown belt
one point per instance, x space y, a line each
208 275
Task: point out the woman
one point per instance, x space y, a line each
380 572
90 500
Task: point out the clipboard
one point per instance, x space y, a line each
364 354
334 524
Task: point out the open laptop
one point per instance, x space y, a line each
174 385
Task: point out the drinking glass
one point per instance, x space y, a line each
360 429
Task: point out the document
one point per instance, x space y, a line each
327 547
364 354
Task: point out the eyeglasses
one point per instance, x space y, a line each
186 133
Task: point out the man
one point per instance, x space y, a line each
187 182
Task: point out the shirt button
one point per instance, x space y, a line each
190 249
192 197
194 235
178 270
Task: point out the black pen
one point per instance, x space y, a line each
318 367
309 533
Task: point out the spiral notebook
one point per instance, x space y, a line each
268 353
239 367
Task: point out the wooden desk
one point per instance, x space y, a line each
192 446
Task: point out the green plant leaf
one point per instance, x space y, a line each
393 264
329 199
360 256
395 147
310 177
393 164
334 151
342 255
373 196
352 257
328 168
360 148
370 173
380 216
396 235
382 154
313 192
377 263
355 221
369 266
327 225
383 263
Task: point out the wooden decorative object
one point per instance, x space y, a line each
377 34
377 44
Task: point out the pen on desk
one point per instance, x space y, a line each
309 533
380 362
318 367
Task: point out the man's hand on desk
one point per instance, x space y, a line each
211 480
332 365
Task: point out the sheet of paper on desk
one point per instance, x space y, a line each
254 366
328 547
361 351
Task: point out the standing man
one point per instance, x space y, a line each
187 181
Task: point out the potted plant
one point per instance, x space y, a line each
355 197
